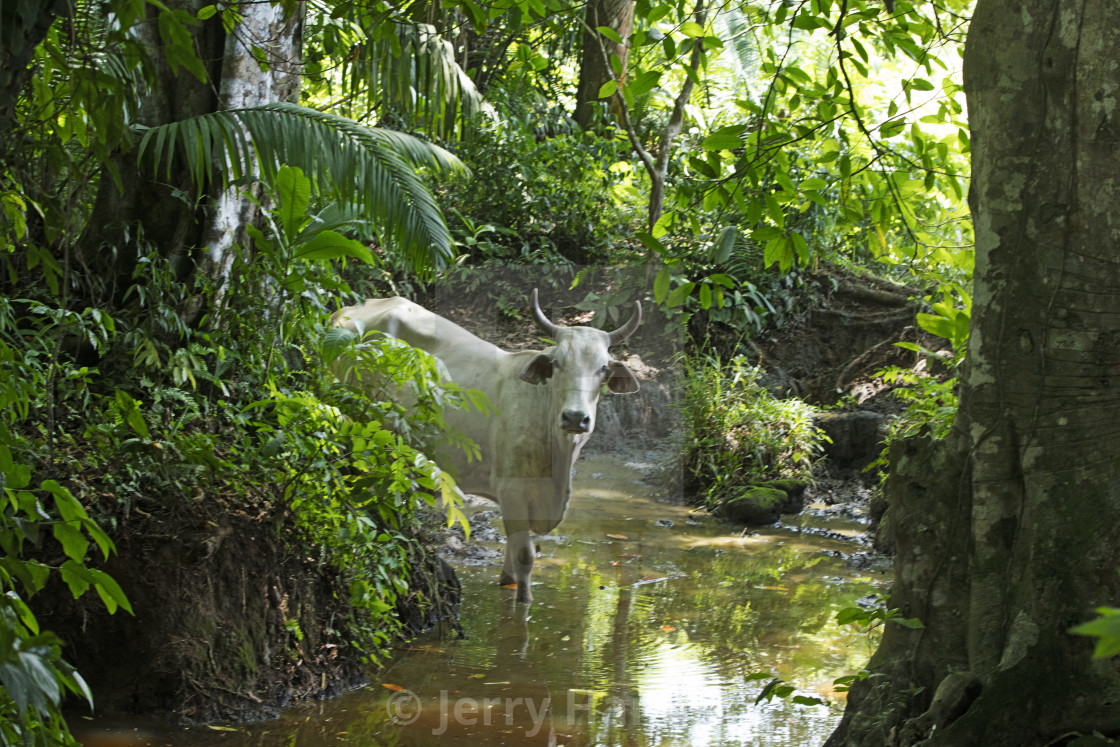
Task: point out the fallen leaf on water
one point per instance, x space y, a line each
215 727
629 555
618 536
509 586
668 628
616 562
477 676
394 688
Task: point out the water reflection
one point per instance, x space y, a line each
642 634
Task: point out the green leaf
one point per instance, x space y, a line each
937 325
679 294
809 22
806 700
908 622
774 210
608 89
724 280
705 295
650 243
293 191
26 616
68 506
661 227
891 128
693 29
1106 628
643 83
73 542
110 591
669 47
76 576
328 244
658 13
725 138
849 615
335 341
609 33
723 246
661 285
178 43
130 411
800 247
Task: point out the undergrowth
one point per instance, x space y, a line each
738 433
107 415
931 406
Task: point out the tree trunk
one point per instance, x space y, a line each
1007 530
163 212
23 25
151 212
245 84
595 68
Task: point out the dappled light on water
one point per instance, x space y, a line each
647 622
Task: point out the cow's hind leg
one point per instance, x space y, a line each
520 555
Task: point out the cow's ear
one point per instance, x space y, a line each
538 370
621 380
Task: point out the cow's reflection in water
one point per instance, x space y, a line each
513 705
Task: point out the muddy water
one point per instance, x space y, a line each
646 623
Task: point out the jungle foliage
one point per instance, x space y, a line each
738 432
738 143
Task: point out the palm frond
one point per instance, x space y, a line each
372 168
736 29
410 70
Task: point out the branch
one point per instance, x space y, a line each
623 109
854 109
676 118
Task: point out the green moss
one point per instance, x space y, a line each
248 655
755 505
788 485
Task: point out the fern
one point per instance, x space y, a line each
373 168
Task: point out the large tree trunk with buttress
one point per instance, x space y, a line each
163 212
1007 530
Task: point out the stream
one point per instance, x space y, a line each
647 621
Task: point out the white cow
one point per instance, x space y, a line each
545 402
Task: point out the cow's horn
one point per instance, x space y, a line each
627 329
542 320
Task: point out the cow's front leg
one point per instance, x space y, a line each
520 555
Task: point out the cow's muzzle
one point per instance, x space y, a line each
575 421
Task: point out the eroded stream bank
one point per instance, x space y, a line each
647 621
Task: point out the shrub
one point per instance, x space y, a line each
931 404
738 432
540 198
